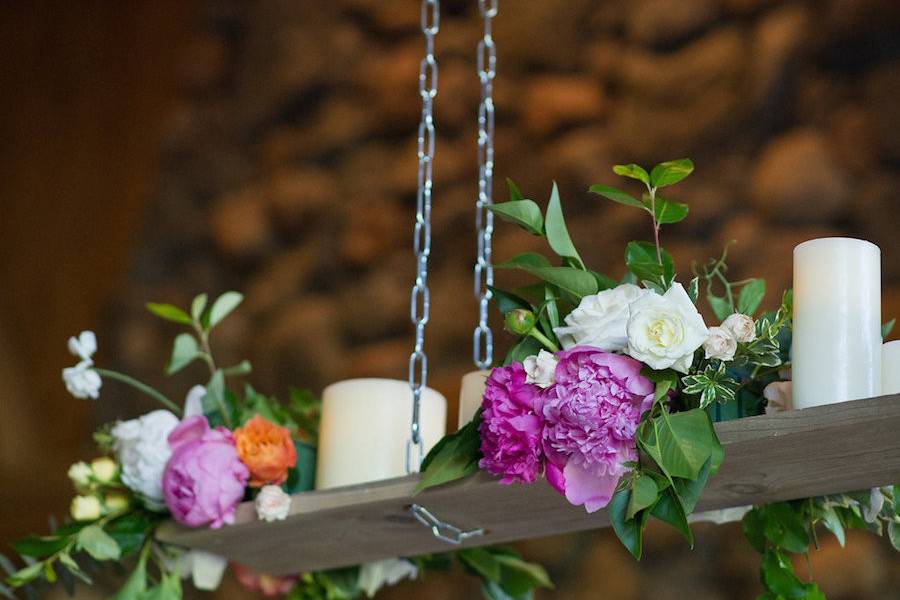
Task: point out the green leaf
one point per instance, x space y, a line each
40 547
833 524
557 232
641 259
629 531
222 307
517 576
481 562
514 193
526 260
242 368
8 567
685 442
453 457
751 296
688 491
887 328
643 494
753 524
778 576
492 590
551 307
169 313
895 492
633 171
98 543
577 282
525 347
784 527
130 531
26 574
167 589
720 306
617 195
198 306
693 289
507 301
73 567
669 510
894 534
524 213
669 211
604 282
185 350
670 172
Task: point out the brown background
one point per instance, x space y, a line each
153 150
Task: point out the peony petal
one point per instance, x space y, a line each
555 478
189 430
584 486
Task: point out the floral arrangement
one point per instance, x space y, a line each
612 385
195 464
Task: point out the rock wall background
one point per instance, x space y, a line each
289 173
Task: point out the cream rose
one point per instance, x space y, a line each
272 504
541 369
741 327
779 396
85 508
80 473
601 320
664 331
720 344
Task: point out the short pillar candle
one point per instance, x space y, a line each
890 368
471 394
836 353
365 427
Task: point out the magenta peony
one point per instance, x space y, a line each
510 428
591 415
204 479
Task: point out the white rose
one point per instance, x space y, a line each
85 508
82 380
741 326
779 396
375 575
664 331
84 346
541 369
272 504
720 344
80 474
142 447
600 320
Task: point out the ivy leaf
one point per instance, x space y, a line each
169 313
833 524
887 328
98 543
669 211
670 172
222 307
751 296
524 213
454 457
720 306
617 195
633 171
184 351
693 289
669 510
557 232
643 494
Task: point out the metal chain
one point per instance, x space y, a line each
483 337
442 530
420 297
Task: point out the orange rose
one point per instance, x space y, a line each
267 449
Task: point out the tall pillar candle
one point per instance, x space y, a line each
836 353
890 368
471 393
365 426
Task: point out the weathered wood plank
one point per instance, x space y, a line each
829 449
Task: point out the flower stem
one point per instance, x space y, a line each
141 387
544 340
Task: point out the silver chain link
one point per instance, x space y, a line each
483 337
442 530
420 298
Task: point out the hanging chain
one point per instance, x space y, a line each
420 298
483 337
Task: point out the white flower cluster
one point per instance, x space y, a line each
82 380
143 450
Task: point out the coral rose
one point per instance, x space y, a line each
267 449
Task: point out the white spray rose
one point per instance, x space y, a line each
664 331
720 344
206 569
85 508
600 320
142 447
104 469
82 380
80 474
272 504
84 346
741 327
541 369
375 575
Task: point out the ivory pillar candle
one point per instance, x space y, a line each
890 368
836 353
365 427
471 393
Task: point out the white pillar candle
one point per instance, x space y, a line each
836 352
365 426
471 392
890 368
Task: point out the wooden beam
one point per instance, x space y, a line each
816 451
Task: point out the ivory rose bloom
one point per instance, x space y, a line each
267 449
539 370
664 331
601 319
720 344
741 327
272 504
142 448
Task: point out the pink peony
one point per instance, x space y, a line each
591 415
204 479
510 428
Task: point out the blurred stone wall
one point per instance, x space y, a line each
290 174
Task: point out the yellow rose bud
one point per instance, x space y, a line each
116 502
85 508
104 469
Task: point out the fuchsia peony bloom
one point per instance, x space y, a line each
204 479
591 416
510 428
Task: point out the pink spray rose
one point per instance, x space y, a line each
591 416
510 427
204 480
